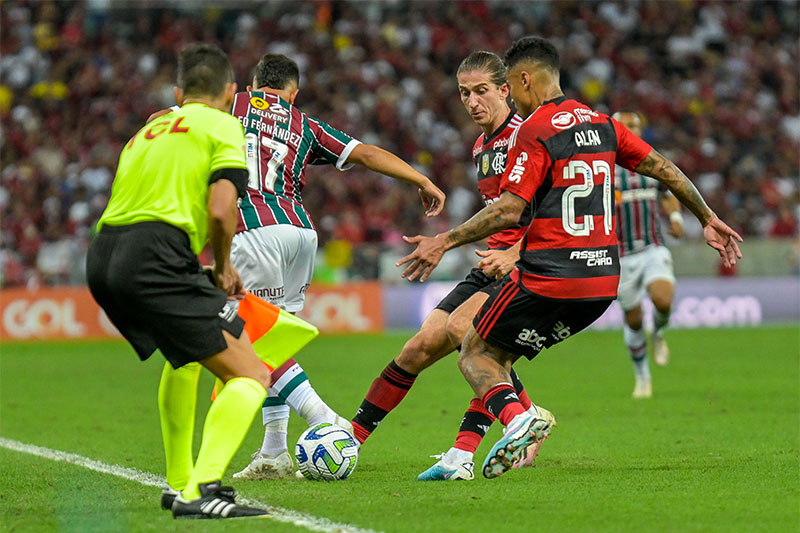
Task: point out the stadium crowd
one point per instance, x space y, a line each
717 82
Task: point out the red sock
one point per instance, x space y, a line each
386 392
524 399
502 401
474 425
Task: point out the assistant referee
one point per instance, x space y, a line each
176 189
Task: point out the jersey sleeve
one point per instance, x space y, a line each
331 146
228 145
631 150
526 165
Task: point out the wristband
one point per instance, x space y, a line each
676 217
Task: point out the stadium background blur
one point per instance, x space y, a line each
717 82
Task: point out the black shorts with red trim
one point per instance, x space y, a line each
476 281
523 323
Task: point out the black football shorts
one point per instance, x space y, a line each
476 281
151 286
520 322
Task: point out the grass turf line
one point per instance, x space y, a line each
716 448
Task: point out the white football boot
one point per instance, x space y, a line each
643 388
530 453
660 350
444 471
267 467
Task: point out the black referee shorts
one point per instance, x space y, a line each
151 286
523 323
476 281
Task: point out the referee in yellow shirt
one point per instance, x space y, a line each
176 188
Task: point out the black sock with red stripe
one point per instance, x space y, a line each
502 401
524 399
476 422
386 393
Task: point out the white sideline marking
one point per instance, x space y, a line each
280 514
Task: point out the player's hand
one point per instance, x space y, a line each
424 258
227 278
723 239
497 263
432 199
676 229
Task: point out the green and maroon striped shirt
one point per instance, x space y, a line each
637 211
281 142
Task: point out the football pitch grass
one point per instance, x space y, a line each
715 449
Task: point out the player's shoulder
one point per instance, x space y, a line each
561 114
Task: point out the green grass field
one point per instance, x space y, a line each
716 449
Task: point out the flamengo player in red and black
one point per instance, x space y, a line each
484 94
561 161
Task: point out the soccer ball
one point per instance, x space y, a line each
326 453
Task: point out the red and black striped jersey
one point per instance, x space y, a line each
637 211
561 160
489 155
281 142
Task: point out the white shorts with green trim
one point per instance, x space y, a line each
276 263
639 270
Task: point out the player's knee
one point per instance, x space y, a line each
456 329
662 302
416 354
634 319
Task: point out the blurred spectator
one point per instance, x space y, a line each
716 80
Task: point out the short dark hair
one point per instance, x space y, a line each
203 70
533 49
487 62
276 71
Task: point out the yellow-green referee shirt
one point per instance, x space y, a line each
164 169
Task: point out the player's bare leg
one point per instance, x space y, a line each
636 341
427 346
486 368
246 380
661 293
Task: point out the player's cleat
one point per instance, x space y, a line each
643 388
508 449
444 471
167 497
342 422
530 453
215 501
660 350
267 467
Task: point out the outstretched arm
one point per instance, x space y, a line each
379 160
718 235
496 216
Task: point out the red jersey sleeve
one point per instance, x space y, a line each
526 165
631 150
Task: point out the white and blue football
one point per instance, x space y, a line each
326 453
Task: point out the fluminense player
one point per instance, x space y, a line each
276 243
560 165
176 188
645 263
484 93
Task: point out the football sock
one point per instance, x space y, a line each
503 403
275 417
524 399
293 386
637 346
177 401
227 422
386 392
660 321
476 422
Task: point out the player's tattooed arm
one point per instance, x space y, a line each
496 216
718 235
659 167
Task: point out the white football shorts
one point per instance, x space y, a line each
276 263
639 270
